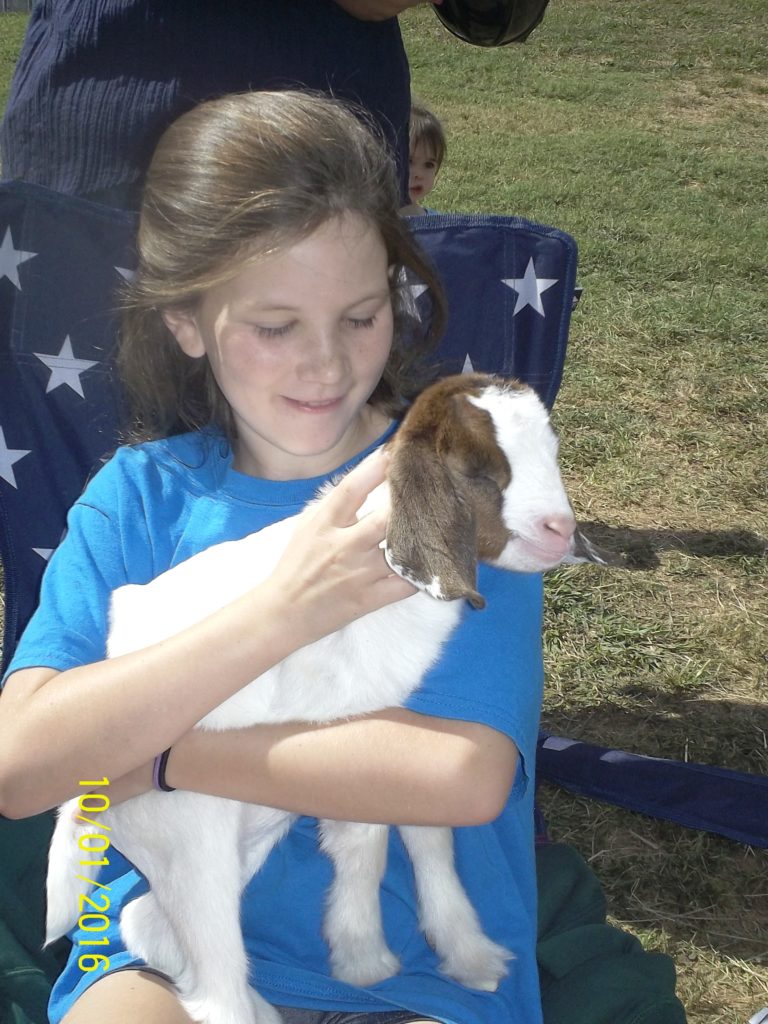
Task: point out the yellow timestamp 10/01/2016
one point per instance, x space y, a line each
92 917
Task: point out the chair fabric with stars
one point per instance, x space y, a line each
61 262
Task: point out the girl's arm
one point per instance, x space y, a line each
111 717
395 767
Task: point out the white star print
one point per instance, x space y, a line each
45 553
9 456
10 259
529 289
467 367
65 369
126 274
410 293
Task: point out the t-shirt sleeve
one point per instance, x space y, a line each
69 627
491 669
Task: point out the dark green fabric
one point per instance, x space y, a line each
590 972
26 970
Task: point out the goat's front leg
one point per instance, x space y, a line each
448 919
353 927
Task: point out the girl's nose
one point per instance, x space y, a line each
324 358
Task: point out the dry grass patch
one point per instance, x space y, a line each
714 99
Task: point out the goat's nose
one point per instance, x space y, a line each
562 525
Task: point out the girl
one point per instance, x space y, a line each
265 346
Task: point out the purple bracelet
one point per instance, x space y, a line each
158 772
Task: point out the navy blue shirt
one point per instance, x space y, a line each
98 81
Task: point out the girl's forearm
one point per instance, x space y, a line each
395 767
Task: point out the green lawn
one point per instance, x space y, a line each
11 33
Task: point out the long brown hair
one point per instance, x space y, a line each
232 181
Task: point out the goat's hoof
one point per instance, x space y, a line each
481 964
365 970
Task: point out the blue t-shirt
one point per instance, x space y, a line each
154 505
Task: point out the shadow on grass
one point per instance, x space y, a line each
730 733
640 547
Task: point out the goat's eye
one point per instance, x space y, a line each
486 481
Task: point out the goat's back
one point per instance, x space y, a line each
372 663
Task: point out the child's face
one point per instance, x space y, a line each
423 172
297 343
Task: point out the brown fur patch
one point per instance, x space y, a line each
447 476
463 436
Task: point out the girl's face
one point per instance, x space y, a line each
423 171
297 343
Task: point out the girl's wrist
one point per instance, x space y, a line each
159 768
188 752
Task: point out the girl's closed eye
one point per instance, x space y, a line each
265 331
361 322
271 332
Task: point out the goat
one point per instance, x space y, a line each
473 475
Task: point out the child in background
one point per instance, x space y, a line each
266 349
427 153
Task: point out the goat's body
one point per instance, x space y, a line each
197 852
353 671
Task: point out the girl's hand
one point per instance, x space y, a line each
334 570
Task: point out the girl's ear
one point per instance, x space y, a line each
186 332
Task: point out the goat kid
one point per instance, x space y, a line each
473 475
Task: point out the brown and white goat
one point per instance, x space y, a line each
473 476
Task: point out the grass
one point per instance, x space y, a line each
12 28
640 129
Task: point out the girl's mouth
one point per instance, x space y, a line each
326 405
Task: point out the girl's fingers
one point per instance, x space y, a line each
371 530
395 588
343 502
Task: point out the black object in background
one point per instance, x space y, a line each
491 22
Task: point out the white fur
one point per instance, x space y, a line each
198 852
535 495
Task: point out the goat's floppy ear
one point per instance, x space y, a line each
431 538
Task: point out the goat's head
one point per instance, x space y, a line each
474 476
